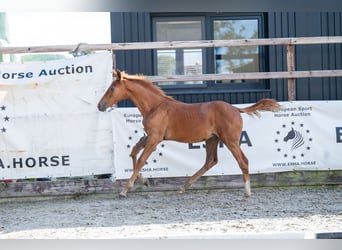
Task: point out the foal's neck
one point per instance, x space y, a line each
144 99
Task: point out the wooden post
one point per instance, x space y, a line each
291 82
114 60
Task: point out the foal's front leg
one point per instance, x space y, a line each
150 145
135 151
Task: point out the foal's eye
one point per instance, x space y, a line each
112 88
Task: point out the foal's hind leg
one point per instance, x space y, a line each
211 160
135 151
242 160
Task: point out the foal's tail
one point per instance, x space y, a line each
262 105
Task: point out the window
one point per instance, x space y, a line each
240 58
179 61
235 59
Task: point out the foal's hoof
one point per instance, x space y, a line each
247 195
247 188
181 191
123 194
146 183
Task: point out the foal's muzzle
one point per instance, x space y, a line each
102 106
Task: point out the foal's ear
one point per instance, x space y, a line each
117 74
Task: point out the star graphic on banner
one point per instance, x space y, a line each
6 118
132 140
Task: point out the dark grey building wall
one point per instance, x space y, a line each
308 57
132 27
137 27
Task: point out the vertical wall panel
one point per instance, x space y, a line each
308 57
132 27
279 26
332 86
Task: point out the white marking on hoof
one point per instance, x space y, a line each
181 190
123 194
248 188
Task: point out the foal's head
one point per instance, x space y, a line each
115 93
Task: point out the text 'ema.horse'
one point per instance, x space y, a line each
165 118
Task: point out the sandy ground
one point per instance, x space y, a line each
269 213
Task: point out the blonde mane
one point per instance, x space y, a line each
141 80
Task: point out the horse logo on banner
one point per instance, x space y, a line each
296 137
296 142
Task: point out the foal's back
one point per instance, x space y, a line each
199 121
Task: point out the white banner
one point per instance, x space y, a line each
49 122
304 135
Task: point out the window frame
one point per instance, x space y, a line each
208 57
179 53
261 84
